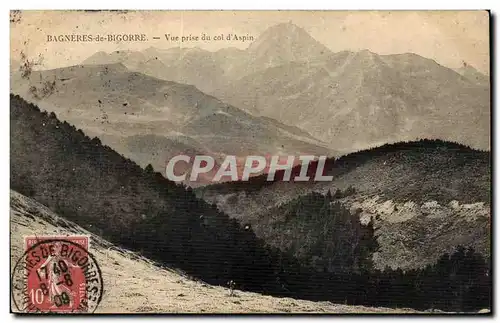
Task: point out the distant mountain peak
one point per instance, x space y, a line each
366 54
286 26
283 43
366 58
284 31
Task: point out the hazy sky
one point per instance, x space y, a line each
449 37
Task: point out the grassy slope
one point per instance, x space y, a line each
134 284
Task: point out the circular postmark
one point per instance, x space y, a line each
56 276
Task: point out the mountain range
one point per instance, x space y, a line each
351 100
151 120
356 100
211 71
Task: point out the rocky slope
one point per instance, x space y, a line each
424 198
357 100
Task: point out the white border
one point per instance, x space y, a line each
197 4
259 5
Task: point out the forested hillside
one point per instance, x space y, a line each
97 188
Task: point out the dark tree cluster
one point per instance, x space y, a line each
330 241
321 232
459 282
108 194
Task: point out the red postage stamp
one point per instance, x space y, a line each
60 275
